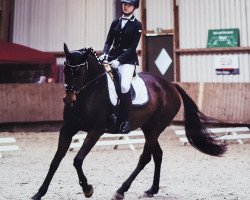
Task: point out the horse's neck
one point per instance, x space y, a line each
97 81
95 69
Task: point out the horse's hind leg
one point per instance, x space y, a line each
153 133
157 156
152 147
143 161
63 146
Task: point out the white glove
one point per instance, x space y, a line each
115 64
103 57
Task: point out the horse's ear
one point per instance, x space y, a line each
66 50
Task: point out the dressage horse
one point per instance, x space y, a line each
90 109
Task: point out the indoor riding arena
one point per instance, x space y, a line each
201 45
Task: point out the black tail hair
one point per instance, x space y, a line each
195 126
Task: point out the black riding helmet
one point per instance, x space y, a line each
133 2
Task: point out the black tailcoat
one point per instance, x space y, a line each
124 41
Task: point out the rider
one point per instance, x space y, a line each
124 36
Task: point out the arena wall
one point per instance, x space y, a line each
43 102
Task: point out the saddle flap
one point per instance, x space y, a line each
138 90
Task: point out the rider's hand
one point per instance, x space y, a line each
115 64
103 57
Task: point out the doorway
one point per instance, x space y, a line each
159 55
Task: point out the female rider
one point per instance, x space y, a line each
123 37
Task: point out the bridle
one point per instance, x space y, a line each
74 69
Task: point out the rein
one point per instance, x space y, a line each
87 84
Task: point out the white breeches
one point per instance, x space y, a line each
126 71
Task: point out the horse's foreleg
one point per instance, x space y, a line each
88 144
63 146
143 161
157 156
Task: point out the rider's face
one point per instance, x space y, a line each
127 8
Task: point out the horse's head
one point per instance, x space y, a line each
81 69
75 68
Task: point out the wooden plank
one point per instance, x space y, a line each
143 36
195 51
219 130
119 142
230 133
111 142
237 137
114 140
131 146
7 140
6 9
176 41
9 148
4 147
107 135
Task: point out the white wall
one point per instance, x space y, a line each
196 18
159 14
47 24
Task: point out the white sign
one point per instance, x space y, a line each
163 61
226 64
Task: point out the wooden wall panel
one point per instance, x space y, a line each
228 102
43 102
31 102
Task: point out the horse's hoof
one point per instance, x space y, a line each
148 195
35 197
89 192
118 196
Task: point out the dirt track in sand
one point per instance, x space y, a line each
186 173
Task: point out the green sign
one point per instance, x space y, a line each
223 38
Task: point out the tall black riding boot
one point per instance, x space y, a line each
126 102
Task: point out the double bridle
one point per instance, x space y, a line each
74 69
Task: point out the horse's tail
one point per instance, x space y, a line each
197 134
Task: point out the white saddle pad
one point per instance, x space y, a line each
141 92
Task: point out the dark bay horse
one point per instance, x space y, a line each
87 88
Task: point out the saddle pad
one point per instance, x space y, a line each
141 93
